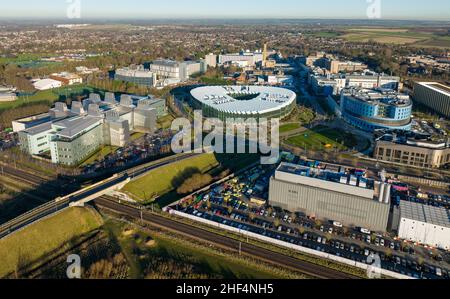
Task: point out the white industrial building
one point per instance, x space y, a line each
46 84
424 224
7 97
72 135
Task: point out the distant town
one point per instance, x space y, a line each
360 185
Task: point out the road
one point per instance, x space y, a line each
225 242
54 206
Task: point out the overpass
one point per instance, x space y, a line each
83 196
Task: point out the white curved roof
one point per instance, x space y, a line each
267 99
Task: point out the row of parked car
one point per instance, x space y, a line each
320 243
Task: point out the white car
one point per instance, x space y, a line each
338 224
365 231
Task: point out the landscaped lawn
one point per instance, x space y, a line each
319 138
43 237
167 178
289 127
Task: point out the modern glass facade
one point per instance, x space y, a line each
373 110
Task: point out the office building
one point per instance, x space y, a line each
211 60
139 76
46 84
409 148
67 78
73 140
7 97
424 224
244 101
243 58
433 95
372 109
324 83
331 64
72 135
331 192
181 71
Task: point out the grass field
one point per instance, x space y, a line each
400 36
49 96
172 258
43 237
319 138
289 127
166 179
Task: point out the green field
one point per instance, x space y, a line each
165 179
43 237
173 258
50 96
401 36
289 127
318 139
324 34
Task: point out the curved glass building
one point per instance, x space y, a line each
244 101
372 109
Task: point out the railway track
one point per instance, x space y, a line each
60 203
266 255
23 176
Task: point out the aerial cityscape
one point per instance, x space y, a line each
206 145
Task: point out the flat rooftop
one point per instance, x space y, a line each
437 86
425 213
329 173
383 96
39 129
72 127
260 99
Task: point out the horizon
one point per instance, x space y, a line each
401 10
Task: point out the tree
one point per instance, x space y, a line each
276 223
318 223
195 182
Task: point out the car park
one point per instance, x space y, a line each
311 236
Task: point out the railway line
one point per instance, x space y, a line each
266 255
61 203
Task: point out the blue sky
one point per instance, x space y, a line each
390 9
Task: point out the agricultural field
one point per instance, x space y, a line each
39 239
400 36
323 139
